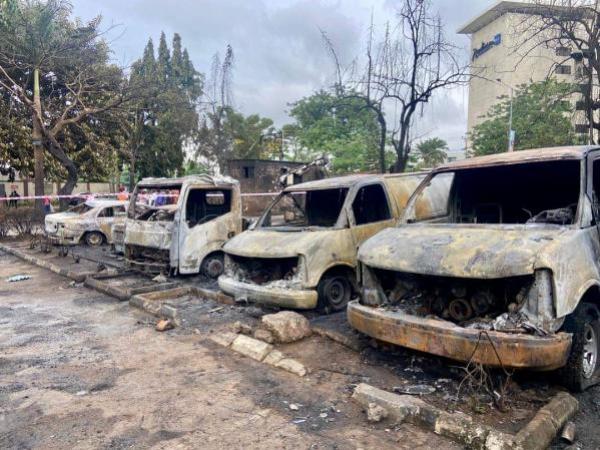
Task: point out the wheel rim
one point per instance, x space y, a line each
336 292
214 268
94 239
590 350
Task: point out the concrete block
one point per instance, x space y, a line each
274 357
224 339
253 348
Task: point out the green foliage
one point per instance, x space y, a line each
75 70
541 118
251 135
339 126
159 125
432 152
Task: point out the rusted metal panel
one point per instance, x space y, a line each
445 339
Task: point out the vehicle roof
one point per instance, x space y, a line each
95 203
199 179
520 157
346 181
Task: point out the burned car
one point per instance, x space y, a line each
89 222
302 251
505 274
180 225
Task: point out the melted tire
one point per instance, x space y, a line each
580 323
335 291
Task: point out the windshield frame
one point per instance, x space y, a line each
409 213
342 221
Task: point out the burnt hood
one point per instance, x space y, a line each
277 244
463 251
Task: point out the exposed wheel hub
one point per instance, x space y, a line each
590 350
214 268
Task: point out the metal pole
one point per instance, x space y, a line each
511 139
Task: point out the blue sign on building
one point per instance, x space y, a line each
485 46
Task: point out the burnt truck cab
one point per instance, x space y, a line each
89 222
302 251
505 274
179 225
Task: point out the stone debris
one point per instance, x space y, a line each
252 348
264 335
414 389
242 328
160 278
292 366
294 407
287 326
17 278
376 413
164 325
254 311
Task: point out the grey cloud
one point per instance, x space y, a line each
280 55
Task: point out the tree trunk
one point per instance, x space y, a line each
382 139
131 172
36 136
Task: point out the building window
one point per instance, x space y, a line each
580 105
563 51
249 172
582 128
563 69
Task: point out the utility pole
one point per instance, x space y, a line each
36 140
511 133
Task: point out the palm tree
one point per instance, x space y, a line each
433 151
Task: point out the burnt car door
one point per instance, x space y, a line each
205 223
369 212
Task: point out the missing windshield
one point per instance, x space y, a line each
303 209
543 192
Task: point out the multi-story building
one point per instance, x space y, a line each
502 58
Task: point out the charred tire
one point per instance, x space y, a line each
581 370
335 291
94 239
213 265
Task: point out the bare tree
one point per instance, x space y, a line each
402 71
417 60
214 141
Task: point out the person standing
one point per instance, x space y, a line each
14 195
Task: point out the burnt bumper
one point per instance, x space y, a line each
286 298
490 348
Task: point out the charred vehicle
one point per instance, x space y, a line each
90 222
180 225
302 251
505 274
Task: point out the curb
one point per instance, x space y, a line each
101 283
78 277
536 435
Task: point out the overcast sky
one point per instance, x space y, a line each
279 53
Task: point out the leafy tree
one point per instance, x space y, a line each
432 151
340 126
56 79
541 118
251 135
161 123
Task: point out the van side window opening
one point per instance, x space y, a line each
544 192
371 205
204 205
314 208
106 212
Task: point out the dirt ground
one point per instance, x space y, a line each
79 368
